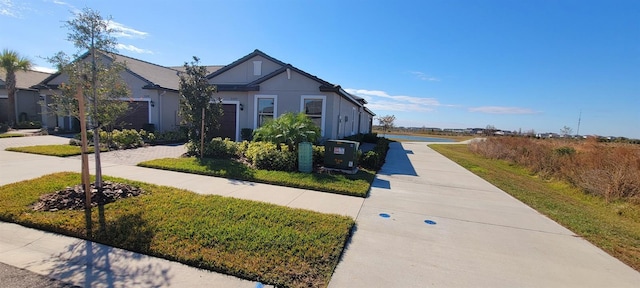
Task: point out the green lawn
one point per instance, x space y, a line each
252 240
612 226
63 150
353 185
9 135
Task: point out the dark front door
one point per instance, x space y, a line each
228 122
136 116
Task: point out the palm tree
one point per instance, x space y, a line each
10 62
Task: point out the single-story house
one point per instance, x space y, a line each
258 87
153 100
253 89
27 107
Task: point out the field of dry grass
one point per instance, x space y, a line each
610 170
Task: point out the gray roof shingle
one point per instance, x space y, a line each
26 79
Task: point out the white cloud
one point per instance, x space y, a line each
44 69
381 100
425 77
133 49
502 110
7 8
120 30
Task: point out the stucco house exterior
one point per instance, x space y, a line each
154 95
27 107
253 89
258 87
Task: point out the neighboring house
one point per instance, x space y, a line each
27 106
258 87
154 95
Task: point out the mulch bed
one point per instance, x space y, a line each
73 198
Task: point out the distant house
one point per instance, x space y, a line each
258 87
253 89
27 105
153 100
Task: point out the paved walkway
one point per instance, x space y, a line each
478 237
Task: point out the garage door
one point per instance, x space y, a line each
227 122
135 117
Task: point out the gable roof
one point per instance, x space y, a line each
325 86
243 59
156 76
26 79
210 68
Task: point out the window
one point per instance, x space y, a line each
314 107
265 109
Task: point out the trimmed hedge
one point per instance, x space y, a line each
374 159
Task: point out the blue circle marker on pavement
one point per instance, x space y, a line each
384 215
259 285
430 222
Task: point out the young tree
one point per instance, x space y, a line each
387 122
96 73
199 111
10 62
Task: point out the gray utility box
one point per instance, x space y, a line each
341 154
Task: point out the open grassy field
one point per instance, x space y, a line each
252 240
613 226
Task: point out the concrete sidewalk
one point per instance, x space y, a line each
446 227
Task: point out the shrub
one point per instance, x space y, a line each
4 127
374 159
272 159
370 138
254 148
220 148
29 125
318 155
265 155
246 134
127 138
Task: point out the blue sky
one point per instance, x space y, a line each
516 65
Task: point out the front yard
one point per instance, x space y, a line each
252 240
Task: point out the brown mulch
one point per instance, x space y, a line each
73 198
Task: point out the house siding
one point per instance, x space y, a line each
243 73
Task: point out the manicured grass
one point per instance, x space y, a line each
353 185
52 150
612 226
9 135
253 240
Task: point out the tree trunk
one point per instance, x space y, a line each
11 97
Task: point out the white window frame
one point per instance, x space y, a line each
323 119
256 98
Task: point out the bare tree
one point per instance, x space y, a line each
387 122
566 131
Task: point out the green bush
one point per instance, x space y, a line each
265 155
318 155
177 136
29 125
375 158
276 160
4 127
246 134
127 138
370 138
220 148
